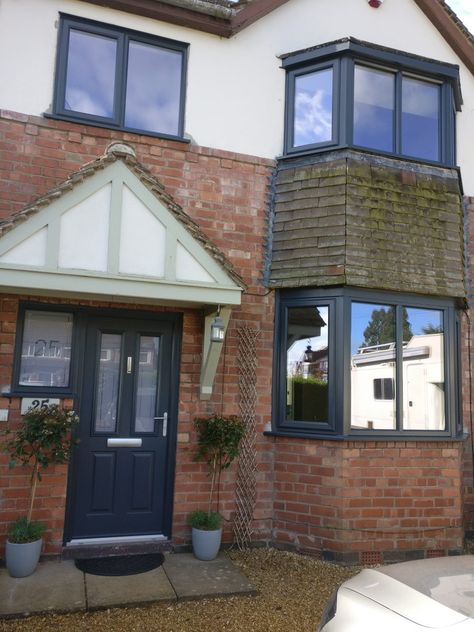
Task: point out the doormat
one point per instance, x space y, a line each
120 564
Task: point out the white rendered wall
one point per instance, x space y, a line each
235 92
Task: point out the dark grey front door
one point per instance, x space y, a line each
120 471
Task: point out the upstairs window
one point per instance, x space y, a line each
352 94
116 78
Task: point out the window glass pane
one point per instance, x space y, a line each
90 75
46 349
420 119
153 88
147 382
373 367
423 371
313 108
374 99
307 362
108 383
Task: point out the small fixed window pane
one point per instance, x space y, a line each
153 88
384 388
420 119
108 383
373 367
147 383
374 107
307 363
423 371
90 75
46 349
313 108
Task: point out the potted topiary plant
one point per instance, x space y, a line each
43 439
219 440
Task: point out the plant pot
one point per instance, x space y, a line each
22 559
206 544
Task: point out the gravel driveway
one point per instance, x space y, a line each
293 591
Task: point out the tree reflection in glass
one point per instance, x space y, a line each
373 358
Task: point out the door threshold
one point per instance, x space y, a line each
131 539
107 547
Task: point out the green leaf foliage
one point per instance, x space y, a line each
202 520
219 440
44 437
21 531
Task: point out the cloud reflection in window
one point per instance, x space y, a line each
153 88
313 108
90 79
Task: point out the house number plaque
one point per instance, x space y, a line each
36 402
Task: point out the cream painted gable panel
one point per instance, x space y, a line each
110 235
188 268
84 233
142 239
30 252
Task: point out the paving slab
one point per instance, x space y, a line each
193 579
105 592
54 586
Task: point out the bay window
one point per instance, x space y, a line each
362 363
350 93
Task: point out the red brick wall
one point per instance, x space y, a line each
364 501
227 195
368 501
467 339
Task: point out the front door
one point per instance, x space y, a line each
121 473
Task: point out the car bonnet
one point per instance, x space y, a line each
408 602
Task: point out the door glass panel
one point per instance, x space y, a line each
423 371
146 384
46 349
108 383
373 362
307 359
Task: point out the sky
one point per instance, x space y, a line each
465 10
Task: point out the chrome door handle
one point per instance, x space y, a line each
164 419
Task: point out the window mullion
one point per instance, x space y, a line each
121 78
399 365
397 141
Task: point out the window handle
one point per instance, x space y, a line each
129 364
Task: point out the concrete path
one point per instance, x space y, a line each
58 586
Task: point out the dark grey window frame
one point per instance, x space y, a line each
345 55
122 37
22 390
290 104
338 425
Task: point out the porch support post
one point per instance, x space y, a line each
211 352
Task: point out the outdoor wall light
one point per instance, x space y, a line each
217 328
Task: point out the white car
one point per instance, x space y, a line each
434 595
